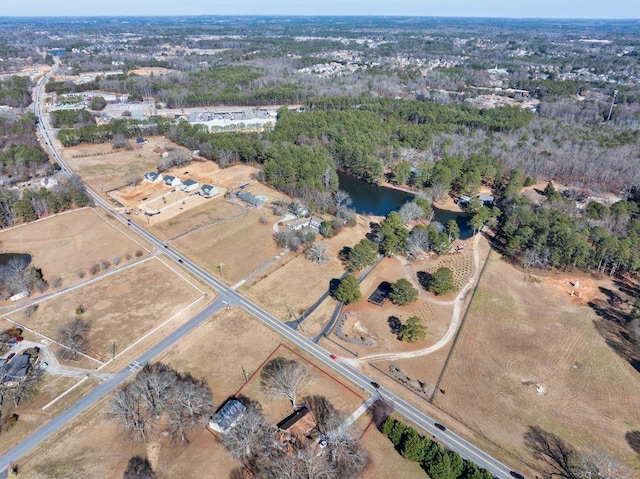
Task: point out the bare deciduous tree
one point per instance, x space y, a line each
285 377
317 253
598 465
251 435
417 243
127 407
410 211
73 335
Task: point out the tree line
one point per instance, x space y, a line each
554 235
437 462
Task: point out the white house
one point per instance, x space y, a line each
48 182
153 177
19 296
208 191
171 180
190 185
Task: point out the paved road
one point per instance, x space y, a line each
227 297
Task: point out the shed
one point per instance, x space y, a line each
190 185
381 294
208 191
227 415
19 296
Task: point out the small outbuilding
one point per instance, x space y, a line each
227 415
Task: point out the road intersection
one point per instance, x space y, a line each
227 297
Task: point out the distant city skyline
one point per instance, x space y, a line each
570 9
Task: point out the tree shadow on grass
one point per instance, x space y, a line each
424 278
633 439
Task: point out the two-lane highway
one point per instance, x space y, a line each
228 296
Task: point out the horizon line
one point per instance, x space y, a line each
310 15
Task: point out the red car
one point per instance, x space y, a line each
333 356
19 339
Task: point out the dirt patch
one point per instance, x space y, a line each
522 334
365 316
68 244
120 307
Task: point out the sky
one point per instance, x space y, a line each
629 9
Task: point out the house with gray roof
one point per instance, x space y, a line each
208 191
169 180
227 415
152 177
190 185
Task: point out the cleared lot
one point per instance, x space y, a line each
530 354
67 245
120 307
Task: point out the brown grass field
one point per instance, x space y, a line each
278 288
120 307
214 209
240 245
105 169
31 414
514 341
66 244
218 350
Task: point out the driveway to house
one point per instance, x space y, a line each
226 297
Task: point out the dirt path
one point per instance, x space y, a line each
457 302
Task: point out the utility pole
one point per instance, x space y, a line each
613 102
113 355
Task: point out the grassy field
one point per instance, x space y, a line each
514 341
120 307
30 412
240 246
67 244
217 351
278 288
105 169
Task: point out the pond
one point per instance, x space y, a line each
375 200
23 257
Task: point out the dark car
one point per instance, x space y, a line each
517 475
375 384
439 426
180 261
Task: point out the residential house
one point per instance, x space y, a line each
169 180
313 223
208 191
190 185
48 182
298 427
227 415
256 201
487 200
15 370
153 177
